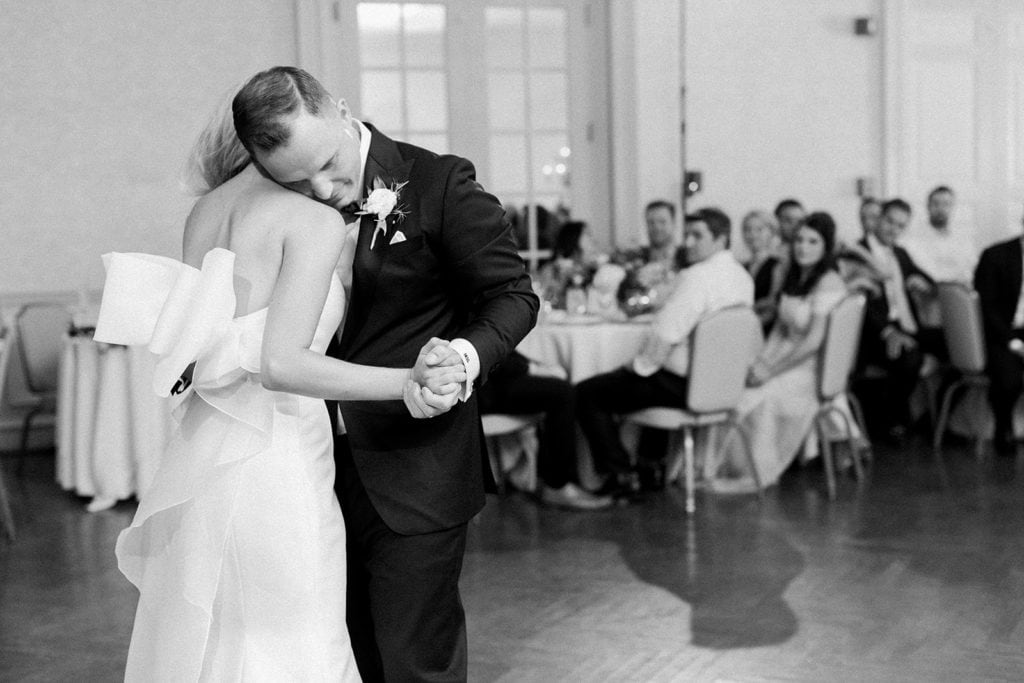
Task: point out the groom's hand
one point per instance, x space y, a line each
439 368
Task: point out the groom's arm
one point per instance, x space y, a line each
486 270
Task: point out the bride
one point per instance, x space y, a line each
238 547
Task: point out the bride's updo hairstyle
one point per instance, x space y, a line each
269 99
822 223
218 155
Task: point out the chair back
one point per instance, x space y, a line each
5 360
838 351
962 326
40 329
722 347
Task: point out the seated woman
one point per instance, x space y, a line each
760 234
576 257
777 409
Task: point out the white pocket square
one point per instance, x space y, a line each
397 238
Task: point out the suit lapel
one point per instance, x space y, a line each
384 162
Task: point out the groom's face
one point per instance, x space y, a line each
321 159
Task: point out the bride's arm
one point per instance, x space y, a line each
310 254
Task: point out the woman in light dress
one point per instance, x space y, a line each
238 547
778 407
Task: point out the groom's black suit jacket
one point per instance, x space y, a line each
456 274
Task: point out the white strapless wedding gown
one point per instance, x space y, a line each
238 547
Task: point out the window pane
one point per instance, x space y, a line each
382 100
506 99
508 164
427 98
550 163
435 142
504 37
547 37
548 101
424 35
379 26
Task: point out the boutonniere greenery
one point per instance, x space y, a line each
382 202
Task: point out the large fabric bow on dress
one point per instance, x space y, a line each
185 315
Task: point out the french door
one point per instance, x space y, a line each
518 87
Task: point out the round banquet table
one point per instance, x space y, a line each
111 426
584 346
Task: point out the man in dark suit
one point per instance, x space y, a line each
890 337
437 260
997 279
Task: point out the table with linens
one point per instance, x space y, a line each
111 426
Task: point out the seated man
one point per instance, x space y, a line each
890 337
650 269
657 376
511 389
998 279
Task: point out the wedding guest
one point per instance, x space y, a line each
777 409
651 269
947 255
998 281
760 234
790 214
890 335
657 376
854 261
575 259
512 389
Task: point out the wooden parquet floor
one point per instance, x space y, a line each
915 575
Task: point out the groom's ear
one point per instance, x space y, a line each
342 106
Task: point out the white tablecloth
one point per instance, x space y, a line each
111 427
584 347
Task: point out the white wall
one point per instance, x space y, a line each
101 103
782 100
646 111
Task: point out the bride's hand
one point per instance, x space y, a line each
423 403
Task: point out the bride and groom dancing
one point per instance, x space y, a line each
247 567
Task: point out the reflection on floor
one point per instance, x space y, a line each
916 575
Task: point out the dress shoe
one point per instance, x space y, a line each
573 497
620 487
1005 444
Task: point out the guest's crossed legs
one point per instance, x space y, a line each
599 399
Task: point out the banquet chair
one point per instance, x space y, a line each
6 518
512 448
965 339
836 359
722 347
40 330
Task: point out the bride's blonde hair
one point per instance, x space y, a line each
218 154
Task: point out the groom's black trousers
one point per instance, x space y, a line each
405 615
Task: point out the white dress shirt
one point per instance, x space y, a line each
707 286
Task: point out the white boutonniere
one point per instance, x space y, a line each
382 202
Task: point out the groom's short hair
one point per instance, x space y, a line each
270 97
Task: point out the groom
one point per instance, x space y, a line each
439 263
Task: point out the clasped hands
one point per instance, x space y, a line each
435 381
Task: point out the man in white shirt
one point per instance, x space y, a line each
945 254
713 280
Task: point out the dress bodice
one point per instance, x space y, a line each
797 312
